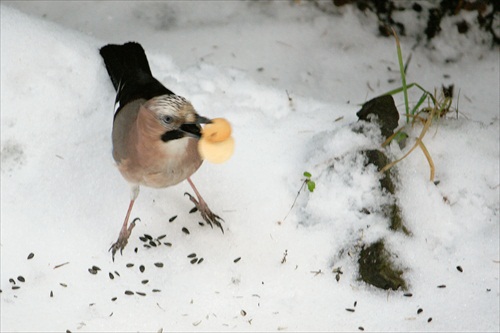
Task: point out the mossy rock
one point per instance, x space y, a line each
377 268
378 158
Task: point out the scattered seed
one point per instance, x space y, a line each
142 268
11 280
243 313
68 331
31 255
148 236
193 261
128 292
442 286
15 287
419 311
116 273
144 239
140 293
237 259
144 281
172 218
349 309
459 268
152 243
488 289
355 303
111 276
200 260
95 268
185 230
91 304
51 294
114 299
147 246
192 255
408 294
429 320
159 264
168 244
156 290
201 224
337 277
129 265
196 323
193 210
161 237
92 271
111 314
63 284
361 328
135 250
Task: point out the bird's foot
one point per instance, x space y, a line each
206 213
122 240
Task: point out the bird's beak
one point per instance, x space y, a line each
193 129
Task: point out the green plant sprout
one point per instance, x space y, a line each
307 181
436 108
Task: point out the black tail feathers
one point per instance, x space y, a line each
128 68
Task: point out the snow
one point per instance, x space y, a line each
63 199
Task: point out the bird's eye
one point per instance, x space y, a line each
167 119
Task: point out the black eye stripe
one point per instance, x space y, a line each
172 135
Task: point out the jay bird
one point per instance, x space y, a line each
155 132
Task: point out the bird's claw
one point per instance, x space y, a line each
206 213
122 240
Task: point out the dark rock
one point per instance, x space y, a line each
385 110
377 268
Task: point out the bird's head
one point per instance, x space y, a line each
177 117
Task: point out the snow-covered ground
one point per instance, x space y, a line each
290 78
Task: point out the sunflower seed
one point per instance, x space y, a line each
95 268
237 259
140 293
153 244
116 273
243 313
142 268
200 260
111 276
144 239
201 224
193 210
148 236
159 264
161 237
144 281
193 261
429 320
168 244
135 250
63 284
192 255
185 230
361 328
355 303
156 290
408 294
129 265
349 309
114 299
128 292
147 246
15 287
459 268
172 218
31 255
51 294
92 271
419 311
442 286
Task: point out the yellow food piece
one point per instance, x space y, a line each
217 131
216 152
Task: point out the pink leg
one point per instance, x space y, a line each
124 233
202 206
